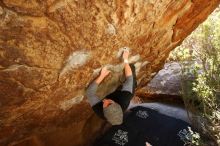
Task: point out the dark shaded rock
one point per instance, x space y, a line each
167 81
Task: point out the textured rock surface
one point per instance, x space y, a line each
51 49
164 87
167 81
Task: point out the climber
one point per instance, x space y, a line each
111 108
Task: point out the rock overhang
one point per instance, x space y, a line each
50 49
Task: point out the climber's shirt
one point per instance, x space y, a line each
122 97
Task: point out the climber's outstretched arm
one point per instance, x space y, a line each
128 84
91 90
128 71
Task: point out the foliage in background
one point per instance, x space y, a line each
199 57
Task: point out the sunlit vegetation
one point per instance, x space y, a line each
199 57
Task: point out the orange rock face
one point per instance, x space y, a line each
51 49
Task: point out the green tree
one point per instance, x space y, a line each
199 57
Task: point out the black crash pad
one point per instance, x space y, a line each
143 125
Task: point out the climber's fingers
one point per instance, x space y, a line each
105 72
147 144
125 53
